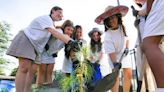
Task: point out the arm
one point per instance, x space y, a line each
142 13
126 51
149 5
127 43
113 57
101 55
56 34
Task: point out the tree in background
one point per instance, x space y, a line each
5 39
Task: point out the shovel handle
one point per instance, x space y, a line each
122 56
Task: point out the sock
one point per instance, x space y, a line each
160 90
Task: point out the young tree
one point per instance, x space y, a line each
4 41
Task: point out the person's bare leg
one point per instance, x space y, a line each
155 58
127 79
40 74
49 71
22 74
116 85
30 77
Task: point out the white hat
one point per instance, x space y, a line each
94 30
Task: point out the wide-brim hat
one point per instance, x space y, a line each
111 10
94 30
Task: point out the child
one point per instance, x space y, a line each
115 41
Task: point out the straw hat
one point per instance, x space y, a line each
111 10
94 30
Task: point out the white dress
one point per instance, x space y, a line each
114 41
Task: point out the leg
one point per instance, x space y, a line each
40 74
21 74
30 77
127 79
116 85
155 58
49 71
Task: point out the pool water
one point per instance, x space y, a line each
7 86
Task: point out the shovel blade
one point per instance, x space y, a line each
108 81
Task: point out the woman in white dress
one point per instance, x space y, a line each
115 42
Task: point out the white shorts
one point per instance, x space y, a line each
47 58
126 62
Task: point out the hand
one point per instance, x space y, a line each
74 45
134 11
136 22
126 51
117 65
96 64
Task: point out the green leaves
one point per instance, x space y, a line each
5 37
81 74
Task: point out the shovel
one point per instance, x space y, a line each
109 80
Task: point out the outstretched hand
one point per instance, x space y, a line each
71 46
117 65
126 51
74 45
134 11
